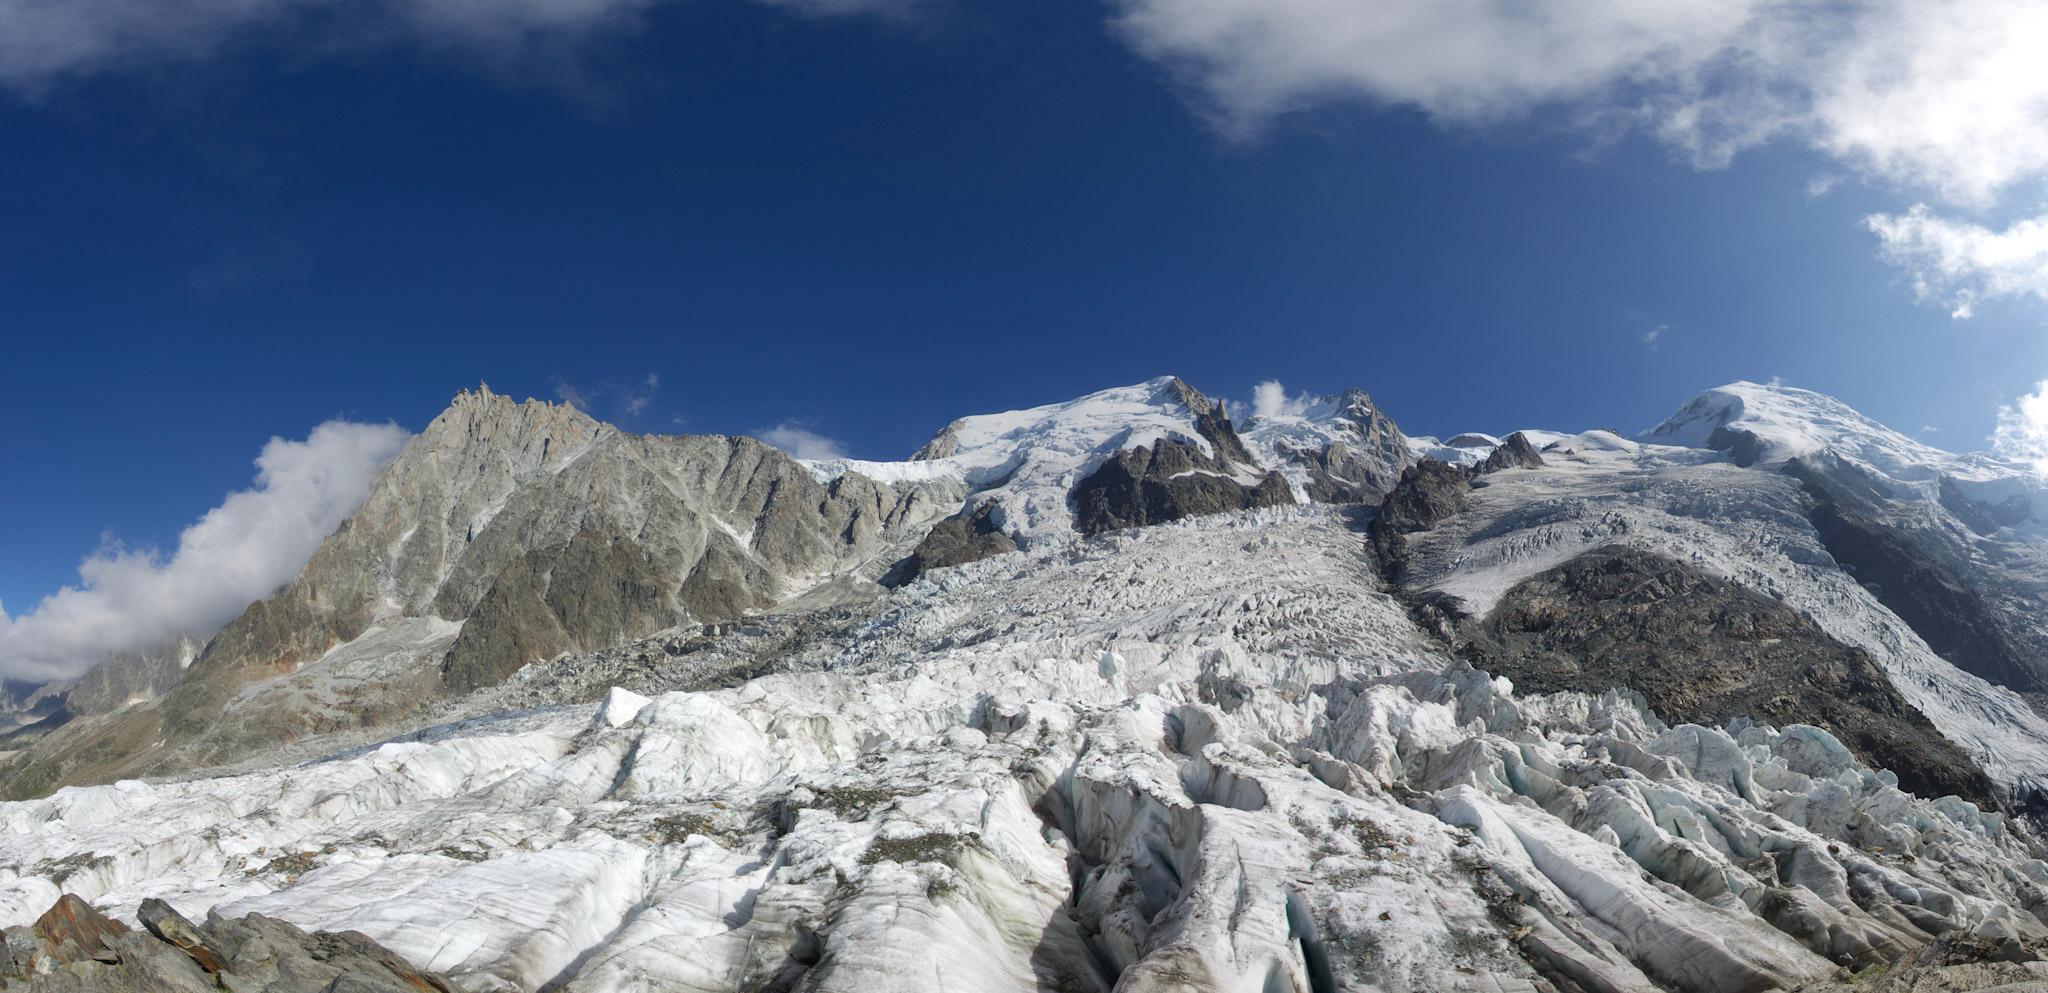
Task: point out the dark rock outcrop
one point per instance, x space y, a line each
1514 453
1212 422
1701 649
1429 492
955 541
1742 446
1921 572
1982 518
1164 482
76 949
1173 479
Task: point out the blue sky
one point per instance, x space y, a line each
865 217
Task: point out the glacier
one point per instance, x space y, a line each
1221 753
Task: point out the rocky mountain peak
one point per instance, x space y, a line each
1173 389
1333 449
526 434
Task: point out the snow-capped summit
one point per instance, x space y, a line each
1332 449
1025 464
1756 422
1028 461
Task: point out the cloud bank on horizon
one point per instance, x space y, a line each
239 552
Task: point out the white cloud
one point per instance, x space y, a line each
632 399
43 42
1960 263
801 441
2022 433
573 397
1655 335
1270 399
239 552
1944 95
1466 60
637 400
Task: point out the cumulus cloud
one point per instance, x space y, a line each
574 397
1270 399
2022 433
1464 60
1960 262
802 442
239 552
629 399
43 42
637 400
1941 96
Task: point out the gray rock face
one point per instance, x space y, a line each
75 949
24 703
122 679
1372 464
1703 650
131 677
643 533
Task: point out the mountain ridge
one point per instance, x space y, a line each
1098 696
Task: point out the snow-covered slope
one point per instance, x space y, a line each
1789 422
1208 755
1764 423
1027 462
1332 449
1745 525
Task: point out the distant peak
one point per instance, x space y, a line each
1771 422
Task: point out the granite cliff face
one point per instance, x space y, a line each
505 533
